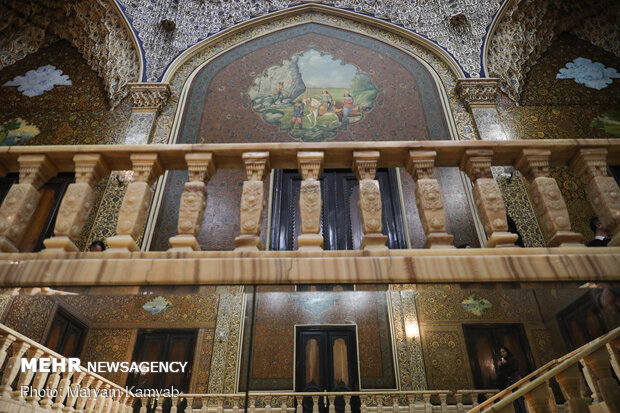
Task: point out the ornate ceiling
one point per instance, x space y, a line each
197 19
94 27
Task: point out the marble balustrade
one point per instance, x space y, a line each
29 391
533 158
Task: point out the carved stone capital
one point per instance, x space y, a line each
149 96
534 163
35 170
200 166
310 164
478 92
146 167
256 165
365 164
476 163
589 163
420 164
89 168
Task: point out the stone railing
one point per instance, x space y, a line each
590 365
27 391
588 158
423 401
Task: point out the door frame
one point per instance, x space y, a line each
357 349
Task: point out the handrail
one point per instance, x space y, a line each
32 343
562 364
337 154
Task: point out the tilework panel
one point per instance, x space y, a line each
408 349
5 301
126 310
508 306
220 224
462 117
545 343
30 316
226 344
110 345
77 114
202 361
459 219
518 206
105 220
573 191
444 354
279 312
488 123
140 126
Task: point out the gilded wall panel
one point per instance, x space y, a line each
30 316
202 361
110 345
507 306
406 333
445 357
545 343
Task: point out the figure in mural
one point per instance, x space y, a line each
16 131
309 85
298 113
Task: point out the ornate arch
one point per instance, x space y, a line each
524 29
440 64
96 28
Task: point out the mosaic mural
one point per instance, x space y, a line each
314 87
30 316
110 345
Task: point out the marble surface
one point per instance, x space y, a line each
294 267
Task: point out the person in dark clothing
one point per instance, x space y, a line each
601 236
508 374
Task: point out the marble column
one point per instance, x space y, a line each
136 203
428 199
476 163
201 168
22 199
549 206
77 202
590 164
252 201
365 168
147 100
480 96
310 201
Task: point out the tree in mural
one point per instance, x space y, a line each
312 95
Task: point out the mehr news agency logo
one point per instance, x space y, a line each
73 364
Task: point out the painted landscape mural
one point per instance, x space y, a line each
312 95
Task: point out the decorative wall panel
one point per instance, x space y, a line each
110 345
30 316
444 354
202 361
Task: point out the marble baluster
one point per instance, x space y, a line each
63 390
136 203
12 367
144 404
189 404
75 385
347 404
92 398
252 201
50 387
365 168
77 202
614 355
25 377
201 168
310 165
428 199
6 340
476 163
537 400
549 206
459 403
80 405
22 199
411 403
600 363
428 407
175 402
590 164
570 381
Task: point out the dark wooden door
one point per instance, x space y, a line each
165 346
66 335
581 322
483 343
326 361
341 225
